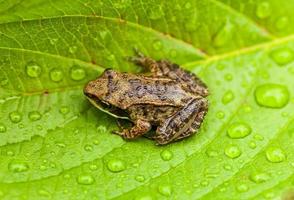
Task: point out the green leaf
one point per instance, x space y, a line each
55 145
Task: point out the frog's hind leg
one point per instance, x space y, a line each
141 127
183 123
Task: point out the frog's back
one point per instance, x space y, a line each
125 90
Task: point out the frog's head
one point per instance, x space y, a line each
97 90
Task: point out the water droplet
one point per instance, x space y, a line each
252 144
140 178
64 110
232 151
42 167
35 115
157 45
220 115
93 167
211 153
238 130
224 35
77 73
72 49
204 183
33 70
2 128
242 188
85 179
44 193
281 23
263 10
275 155
15 116
228 167
18 166
10 153
228 77
88 147
56 75
116 165
166 155
60 145
282 56
258 137
272 95
228 97
165 190
259 177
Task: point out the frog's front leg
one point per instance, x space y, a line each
183 123
141 127
164 68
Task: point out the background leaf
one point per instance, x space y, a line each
55 145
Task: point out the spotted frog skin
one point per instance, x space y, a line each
171 99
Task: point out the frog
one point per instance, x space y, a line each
168 99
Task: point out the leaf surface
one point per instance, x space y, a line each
55 145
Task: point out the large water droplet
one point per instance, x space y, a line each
223 36
238 130
77 73
259 177
116 165
272 95
282 56
232 151
165 190
242 188
275 155
18 166
85 179
263 10
2 128
33 70
34 115
56 75
15 116
281 23
166 155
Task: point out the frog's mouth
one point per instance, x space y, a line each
109 109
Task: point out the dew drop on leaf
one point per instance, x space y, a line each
140 178
44 193
252 144
228 77
16 166
232 151
88 147
157 45
220 115
281 23
228 167
263 10
85 179
2 128
33 70
56 75
204 183
15 116
34 115
272 95
275 155
242 188
211 153
282 56
64 110
259 177
165 190
258 137
166 155
238 130
77 73
10 153
116 165
93 167
228 97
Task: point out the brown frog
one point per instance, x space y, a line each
171 99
